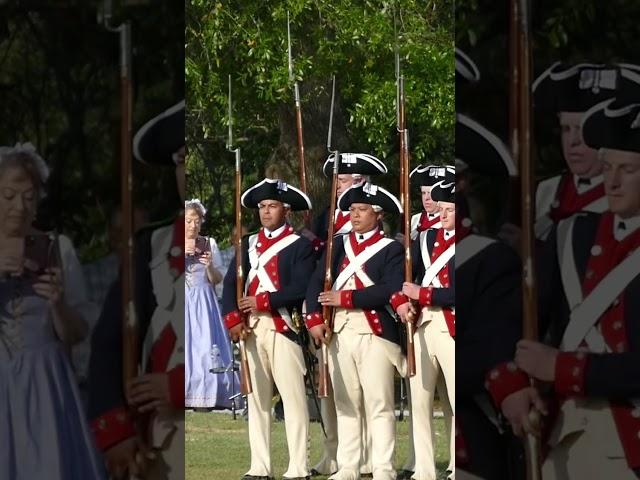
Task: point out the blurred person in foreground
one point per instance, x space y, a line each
140 428
589 364
45 434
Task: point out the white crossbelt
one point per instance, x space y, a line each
258 263
356 262
432 269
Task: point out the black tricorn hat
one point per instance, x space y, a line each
273 189
160 138
614 125
445 190
427 175
480 151
355 163
466 69
370 194
577 88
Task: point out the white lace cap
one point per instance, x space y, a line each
196 204
28 150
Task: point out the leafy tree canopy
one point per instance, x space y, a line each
353 39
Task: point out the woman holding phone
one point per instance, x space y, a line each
208 383
45 433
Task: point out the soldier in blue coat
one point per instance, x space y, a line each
590 361
157 396
278 263
488 314
364 349
353 169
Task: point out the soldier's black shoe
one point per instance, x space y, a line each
314 473
256 477
296 478
404 475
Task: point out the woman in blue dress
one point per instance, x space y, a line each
206 339
44 432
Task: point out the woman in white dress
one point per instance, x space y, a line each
44 434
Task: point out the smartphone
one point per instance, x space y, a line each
38 253
202 245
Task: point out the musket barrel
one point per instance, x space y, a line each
245 378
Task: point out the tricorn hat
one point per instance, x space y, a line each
161 137
480 151
445 190
613 125
273 189
370 194
466 69
355 163
577 88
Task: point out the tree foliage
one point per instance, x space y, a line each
60 90
353 39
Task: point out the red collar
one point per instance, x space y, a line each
341 220
264 242
359 247
568 201
425 222
441 240
607 252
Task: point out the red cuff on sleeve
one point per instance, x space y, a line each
113 427
317 244
398 299
176 386
346 298
425 296
504 380
263 301
232 319
313 319
570 372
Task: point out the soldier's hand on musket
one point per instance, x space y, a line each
248 305
320 333
407 312
330 298
239 332
537 360
149 392
126 458
205 258
411 290
517 409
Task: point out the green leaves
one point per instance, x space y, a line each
353 39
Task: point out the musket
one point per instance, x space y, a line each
405 201
299 130
130 353
308 362
130 344
525 167
245 377
324 388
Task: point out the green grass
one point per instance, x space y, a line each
217 447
